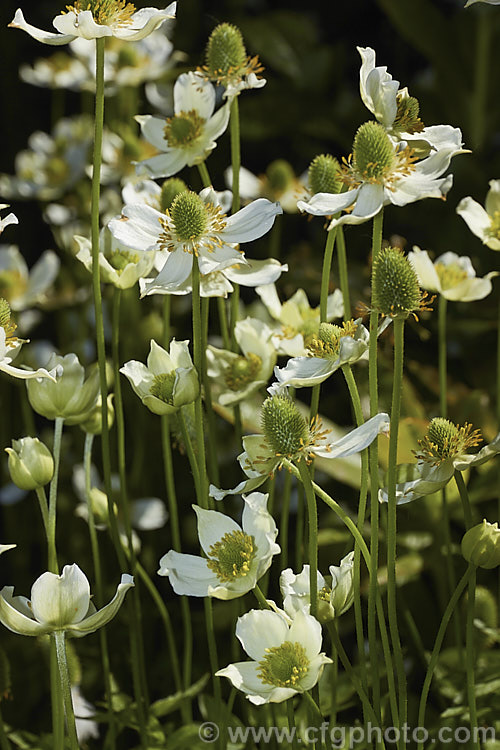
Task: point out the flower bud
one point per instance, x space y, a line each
170 190
323 174
30 463
342 595
481 545
280 175
93 419
396 292
71 397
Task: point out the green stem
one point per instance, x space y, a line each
397 387
52 513
56 700
464 497
260 597
325 274
470 652
188 444
198 363
343 275
481 77
224 328
437 646
234 129
44 508
205 177
443 401
312 535
62 663
207 392
284 520
291 724
374 479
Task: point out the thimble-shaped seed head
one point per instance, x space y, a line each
407 119
323 174
373 152
189 214
284 427
170 190
280 175
225 53
396 292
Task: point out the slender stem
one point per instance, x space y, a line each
212 648
312 535
44 508
198 363
62 663
437 646
470 653
481 78
56 700
443 401
464 497
260 597
325 274
397 386
343 275
188 444
51 521
314 706
207 392
374 479
291 724
498 415
234 129
205 177
224 328
4 740
284 520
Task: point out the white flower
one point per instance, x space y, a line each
168 381
236 556
332 347
86 727
9 219
71 396
288 436
194 226
23 288
10 346
59 71
484 222
333 600
287 657
119 265
279 183
235 377
451 275
105 18
188 137
382 172
59 603
298 320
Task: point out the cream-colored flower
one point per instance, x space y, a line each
71 396
119 265
10 346
23 288
484 222
450 275
278 183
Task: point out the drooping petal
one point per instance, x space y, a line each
304 371
256 273
173 274
356 440
244 676
188 574
163 165
144 22
369 201
139 377
478 221
251 222
106 613
326 204
15 617
47 37
81 24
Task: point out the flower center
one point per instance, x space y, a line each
447 440
57 170
326 345
242 371
494 228
163 387
407 119
232 556
373 152
189 214
323 174
284 427
190 221
226 56
105 12
7 324
12 284
396 292
450 274
183 129
120 259
284 666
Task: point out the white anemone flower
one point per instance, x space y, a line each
279 183
332 347
168 381
450 275
297 320
236 556
95 19
236 376
288 436
10 346
59 71
119 265
286 654
381 172
23 288
190 135
484 222
333 600
9 219
443 451
59 603
193 227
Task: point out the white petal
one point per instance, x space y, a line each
217 258
159 360
217 124
139 377
14 614
256 273
153 130
305 371
425 270
47 37
138 228
356 440
492 202
251 222
188 574
61 600
81 24
212 526
96 620
260 629
163 165
326 204
377 88
192 91
173 274
244 676
144 22
306 630
470 290
478 221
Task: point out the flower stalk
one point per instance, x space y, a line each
62 662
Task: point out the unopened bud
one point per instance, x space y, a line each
481 545
30 463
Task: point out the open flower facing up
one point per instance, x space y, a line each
451 275
287 435
333 600
93 19
237 376
287 657
484 222
382 172
23 288
236 556
119 265
298 321
59 603
193 227
331 348
168 381
443 450
71 397
188 137
9 219
10 346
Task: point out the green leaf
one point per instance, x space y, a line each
165 706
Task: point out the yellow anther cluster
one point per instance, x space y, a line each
242 371
104 12
284 665
447 440
231 557
184 128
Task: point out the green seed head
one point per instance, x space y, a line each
373 152
170 190
447 440
225 53
407 119
163 387
4 313
285 429
280 175
395 292
323 174
242 371
184 128
284 666
120 259
189 214
232 556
